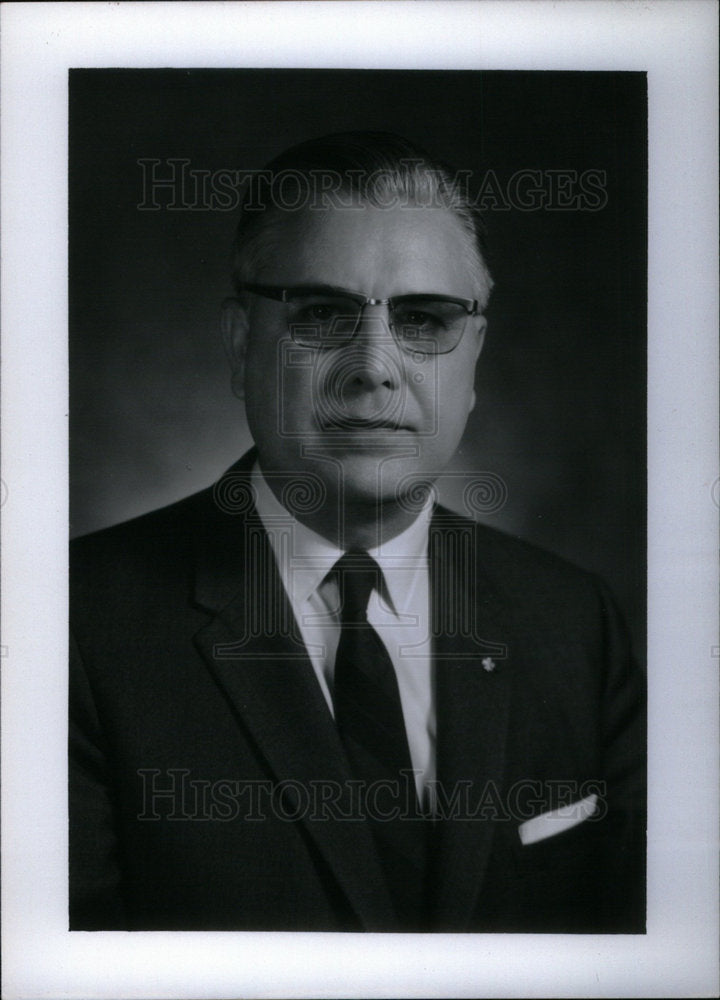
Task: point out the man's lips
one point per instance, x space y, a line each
363 424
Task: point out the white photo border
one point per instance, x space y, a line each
676 45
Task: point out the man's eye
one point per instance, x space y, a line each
317 312
419 322
321 312
324 312
417 318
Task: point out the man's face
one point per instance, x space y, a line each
367 417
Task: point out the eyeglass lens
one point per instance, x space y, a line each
329 321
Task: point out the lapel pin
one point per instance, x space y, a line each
488 664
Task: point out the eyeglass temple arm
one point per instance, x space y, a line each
267 291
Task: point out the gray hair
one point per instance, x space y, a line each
349 170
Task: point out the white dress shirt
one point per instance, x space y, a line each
400 614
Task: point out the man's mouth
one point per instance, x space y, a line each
363 424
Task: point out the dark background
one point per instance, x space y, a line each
561 384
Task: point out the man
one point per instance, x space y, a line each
309 698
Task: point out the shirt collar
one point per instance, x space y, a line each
306 565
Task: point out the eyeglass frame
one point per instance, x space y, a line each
280 294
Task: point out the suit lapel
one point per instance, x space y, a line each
472 646
254 649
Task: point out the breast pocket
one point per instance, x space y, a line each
559 870
558 821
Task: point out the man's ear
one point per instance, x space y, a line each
479 329
234 324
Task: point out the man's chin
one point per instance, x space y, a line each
383 477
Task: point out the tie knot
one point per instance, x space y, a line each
357 575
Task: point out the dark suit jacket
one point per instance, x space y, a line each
198 731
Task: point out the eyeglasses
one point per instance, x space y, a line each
325 318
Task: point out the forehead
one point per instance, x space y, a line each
379 251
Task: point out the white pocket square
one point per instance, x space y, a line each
556 821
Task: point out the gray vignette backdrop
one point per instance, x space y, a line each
560 161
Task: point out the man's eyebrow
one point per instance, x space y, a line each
319 286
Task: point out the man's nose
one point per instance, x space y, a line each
372 358
363 380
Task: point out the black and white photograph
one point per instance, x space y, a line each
377 507
312 694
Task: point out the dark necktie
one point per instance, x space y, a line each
370 721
